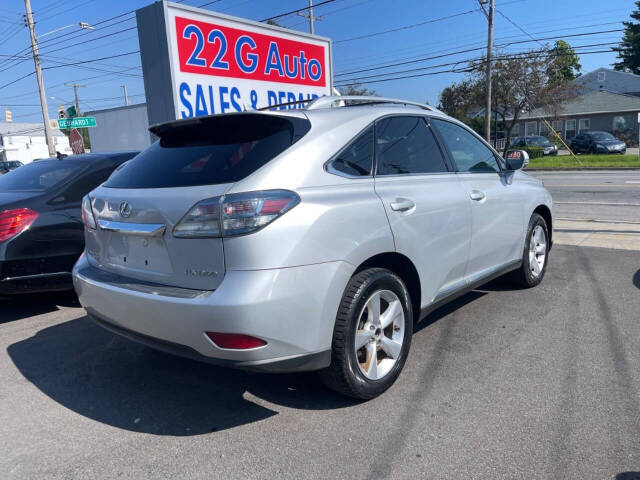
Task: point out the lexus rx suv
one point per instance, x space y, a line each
307 239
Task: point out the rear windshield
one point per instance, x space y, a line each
210 150
540 141
38 176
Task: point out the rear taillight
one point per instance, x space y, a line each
235 341
87 213
235 214
14 222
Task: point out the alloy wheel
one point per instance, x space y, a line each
537 250
380 334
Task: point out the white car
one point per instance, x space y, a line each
309 239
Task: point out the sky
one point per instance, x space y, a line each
419 29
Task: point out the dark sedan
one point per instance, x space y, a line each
41 229
597 142
7 165
548 147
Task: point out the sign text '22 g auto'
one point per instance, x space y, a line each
223 64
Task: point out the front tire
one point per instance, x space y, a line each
372 335
535 255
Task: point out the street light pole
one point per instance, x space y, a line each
43 98
487 106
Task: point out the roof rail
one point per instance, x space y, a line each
329 101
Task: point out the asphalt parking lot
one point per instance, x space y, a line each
503 383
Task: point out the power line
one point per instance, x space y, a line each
395 64
406 27
453 70
296 11
515 55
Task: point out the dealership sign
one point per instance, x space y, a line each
199 62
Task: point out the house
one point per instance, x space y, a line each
26 141
608 101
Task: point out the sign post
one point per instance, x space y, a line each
196 62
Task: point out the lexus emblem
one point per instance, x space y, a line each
125 210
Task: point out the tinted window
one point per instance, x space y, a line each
209 150
469 153
406 145
86 182
38 176
357 157
602 136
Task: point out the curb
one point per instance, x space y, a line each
569 169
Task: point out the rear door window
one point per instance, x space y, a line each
210 150
406 145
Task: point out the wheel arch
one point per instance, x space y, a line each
545 213
402 266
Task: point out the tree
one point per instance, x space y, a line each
358 90
521 82
566 64
629 48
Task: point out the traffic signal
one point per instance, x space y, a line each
61 113
8 117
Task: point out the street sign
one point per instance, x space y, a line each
197 62
71 111
78 122
76 141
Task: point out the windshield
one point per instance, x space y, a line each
539 141
602 136
219 150
38 177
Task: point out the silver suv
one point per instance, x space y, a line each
307 239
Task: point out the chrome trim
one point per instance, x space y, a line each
37 275
140 229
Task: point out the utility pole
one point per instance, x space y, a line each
310 17
487 105
126 97
36 60
75 94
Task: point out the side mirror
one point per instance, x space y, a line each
516 159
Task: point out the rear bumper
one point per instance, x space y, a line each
33 275
292 309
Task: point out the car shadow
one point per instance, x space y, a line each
636 279
448 308
18 307
127 385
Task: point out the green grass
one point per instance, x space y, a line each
586 161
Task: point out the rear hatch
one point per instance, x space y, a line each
194 160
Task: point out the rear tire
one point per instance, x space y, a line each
372 335
535 256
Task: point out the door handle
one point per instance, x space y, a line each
402 205
477 195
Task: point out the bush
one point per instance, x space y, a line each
533 151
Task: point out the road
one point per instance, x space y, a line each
503 383
596 208
601 194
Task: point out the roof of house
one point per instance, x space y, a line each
26 129
591 103
614 81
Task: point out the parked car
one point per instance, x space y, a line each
597 142
41 230
548 147
307 239
7 166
